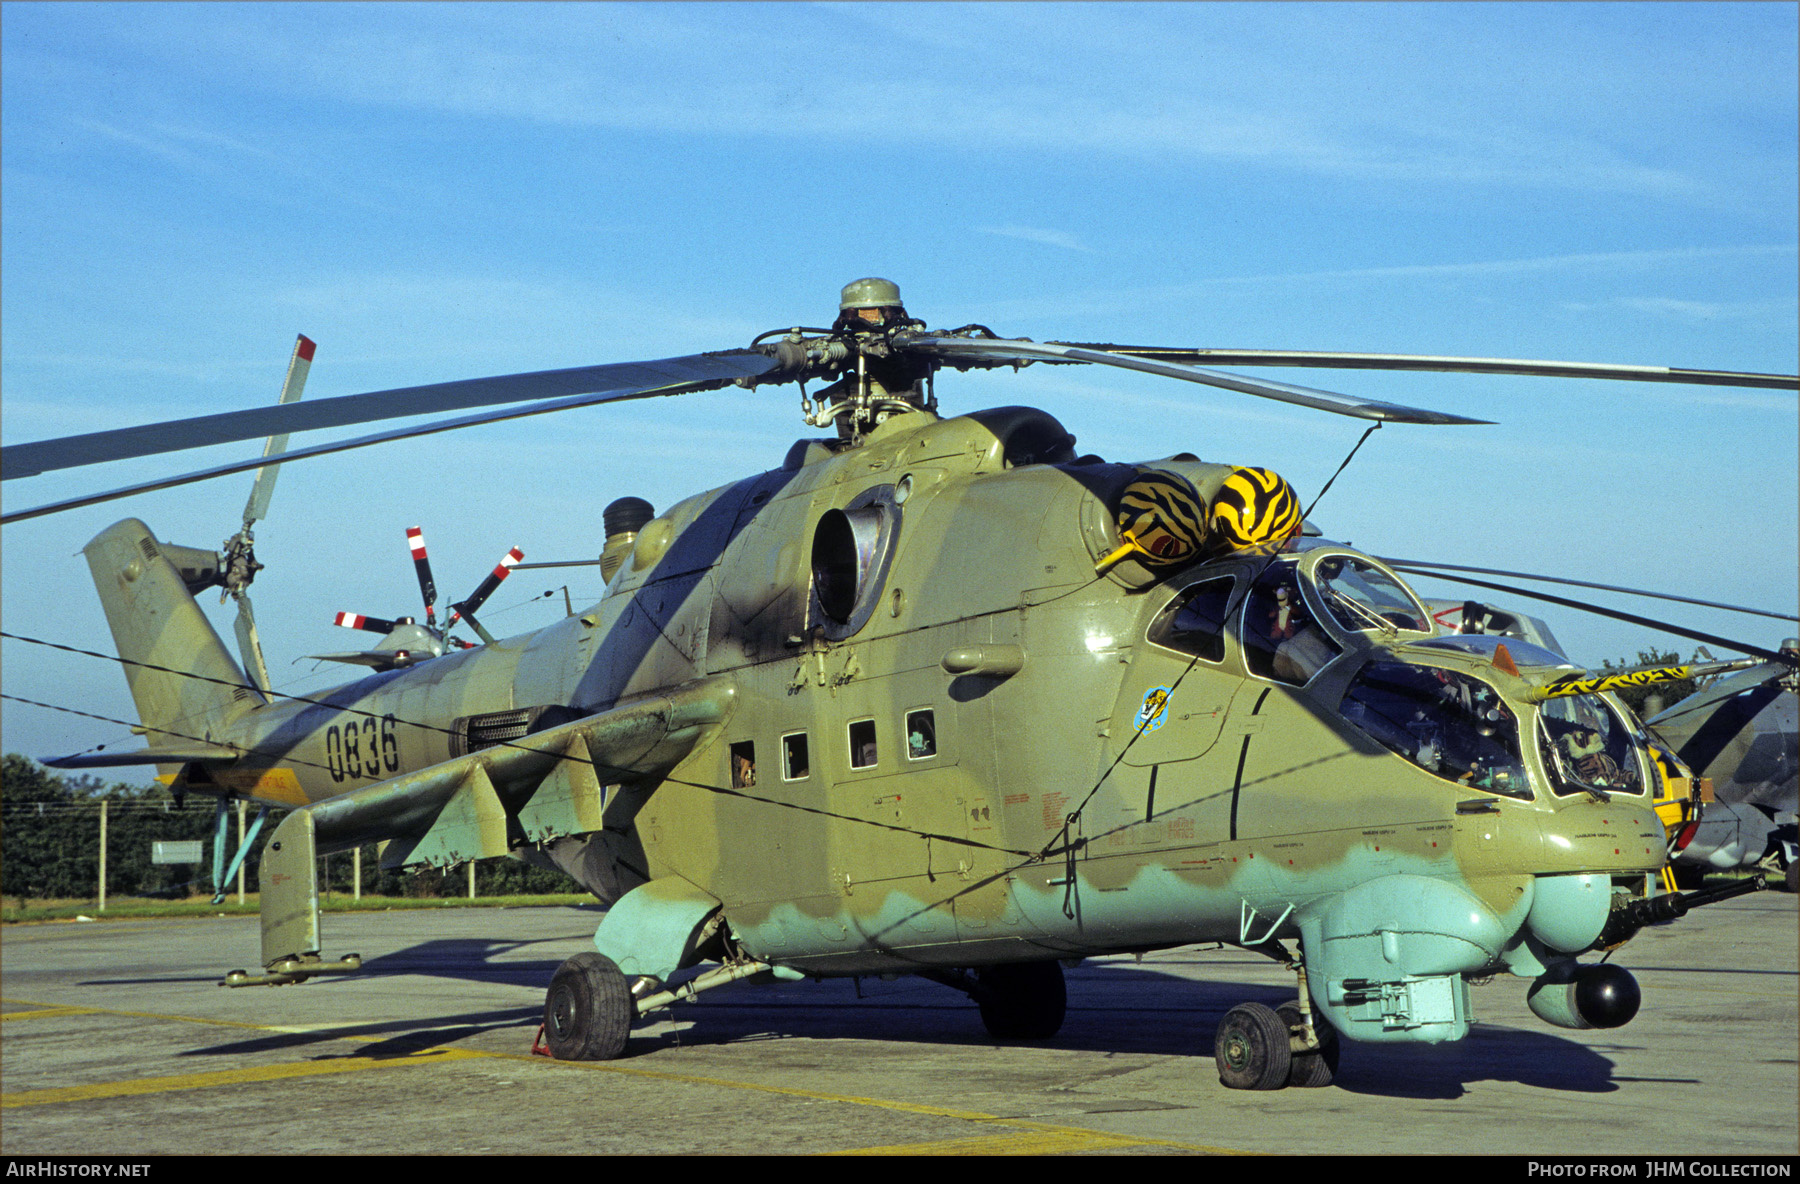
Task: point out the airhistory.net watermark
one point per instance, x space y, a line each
43 1169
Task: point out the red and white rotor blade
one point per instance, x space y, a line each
415 541
370 624
501 570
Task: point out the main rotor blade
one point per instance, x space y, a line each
426 429
1422 567
1002 350
1634 619
299 366
1449 365
693 372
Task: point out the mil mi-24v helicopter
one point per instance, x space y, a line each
806 734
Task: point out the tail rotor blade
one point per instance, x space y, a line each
465 609
369 624
501 570
415 539
299 366
250 645
238 561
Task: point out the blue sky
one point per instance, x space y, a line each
436 192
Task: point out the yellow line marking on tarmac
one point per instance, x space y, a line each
1034 1137
1041 1129
222 1077
49 1009
45 1011
1047 1143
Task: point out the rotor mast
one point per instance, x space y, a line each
886 379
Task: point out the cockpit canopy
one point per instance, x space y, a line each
1303 611
1318 603
1587 747
1362 596
1447 723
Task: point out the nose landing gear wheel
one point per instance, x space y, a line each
588 1010
1252 1048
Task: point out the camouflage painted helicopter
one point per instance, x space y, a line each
1743 734
800 737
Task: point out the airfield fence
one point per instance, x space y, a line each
57 831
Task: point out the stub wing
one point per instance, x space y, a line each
549 784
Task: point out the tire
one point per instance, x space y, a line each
588 1010
1311 1069
1022 1000
1252 1048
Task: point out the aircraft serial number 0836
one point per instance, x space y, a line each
362 750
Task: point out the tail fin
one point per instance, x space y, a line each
186 684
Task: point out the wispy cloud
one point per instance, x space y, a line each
1576 261
1032 234
153 145
1092 303
1174 86
212 153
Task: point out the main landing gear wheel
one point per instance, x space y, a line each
588 1010
1311 1069
1252 1048
1022 1000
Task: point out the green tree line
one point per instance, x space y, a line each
50 846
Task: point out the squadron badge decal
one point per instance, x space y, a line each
1155 711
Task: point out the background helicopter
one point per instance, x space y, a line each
580 744
1743 733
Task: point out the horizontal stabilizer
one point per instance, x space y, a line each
161 754
374 659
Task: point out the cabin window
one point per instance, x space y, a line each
921 735
1195 623
794 763
743 764
863 754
